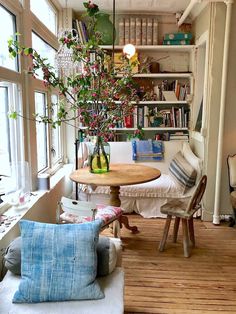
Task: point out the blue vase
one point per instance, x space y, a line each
105 27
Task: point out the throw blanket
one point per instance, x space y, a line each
149 150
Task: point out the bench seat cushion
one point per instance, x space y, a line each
164 186
112 285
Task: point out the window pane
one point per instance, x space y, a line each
41 131
56 133
11 143
5 150
45 13
45 51
8 29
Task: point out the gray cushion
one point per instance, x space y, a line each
107 256
12 258
106 251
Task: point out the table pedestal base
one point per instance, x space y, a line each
115 201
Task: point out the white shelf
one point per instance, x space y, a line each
158 102
161 75
151 129
174 48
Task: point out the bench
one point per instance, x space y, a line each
147 198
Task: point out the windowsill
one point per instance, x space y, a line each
14 214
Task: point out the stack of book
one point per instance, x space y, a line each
138 31
179 136
81 29
177 39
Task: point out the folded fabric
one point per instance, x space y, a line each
105 213
149 150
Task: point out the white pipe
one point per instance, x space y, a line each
187 11
192 4
216 215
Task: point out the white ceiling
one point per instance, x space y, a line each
122 6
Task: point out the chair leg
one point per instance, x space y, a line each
191 231
165 233
116 229
176 228
185 237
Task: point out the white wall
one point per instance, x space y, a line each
229 146
213 20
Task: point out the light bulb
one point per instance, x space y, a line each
129 50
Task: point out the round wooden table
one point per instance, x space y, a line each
119 175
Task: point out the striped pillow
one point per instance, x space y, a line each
182 172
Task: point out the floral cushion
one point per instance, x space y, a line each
106 213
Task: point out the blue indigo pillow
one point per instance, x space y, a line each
58 262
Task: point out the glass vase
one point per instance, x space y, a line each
99 156
105 27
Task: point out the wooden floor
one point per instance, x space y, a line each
168 282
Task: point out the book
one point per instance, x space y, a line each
128 121
146 111
132 31
149 31
85 31
82 29
140 116
135 117
176 42
121 28
127 30
178 36
169 95
155 32
144 31
79 32
138 31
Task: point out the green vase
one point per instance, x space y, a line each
105 27
99 156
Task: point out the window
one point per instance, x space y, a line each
11 146
56 133
8 24
45 13
45 50
41 132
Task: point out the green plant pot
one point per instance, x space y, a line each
157 122
105 27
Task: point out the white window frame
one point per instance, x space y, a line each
202 41
26 23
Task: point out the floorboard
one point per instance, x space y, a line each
169 283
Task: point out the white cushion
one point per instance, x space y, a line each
112 285
161 187
194 161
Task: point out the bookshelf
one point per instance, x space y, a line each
176 113
175 65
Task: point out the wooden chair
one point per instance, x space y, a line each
231 162
180 210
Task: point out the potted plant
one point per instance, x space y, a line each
137 134
155 118
89 96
